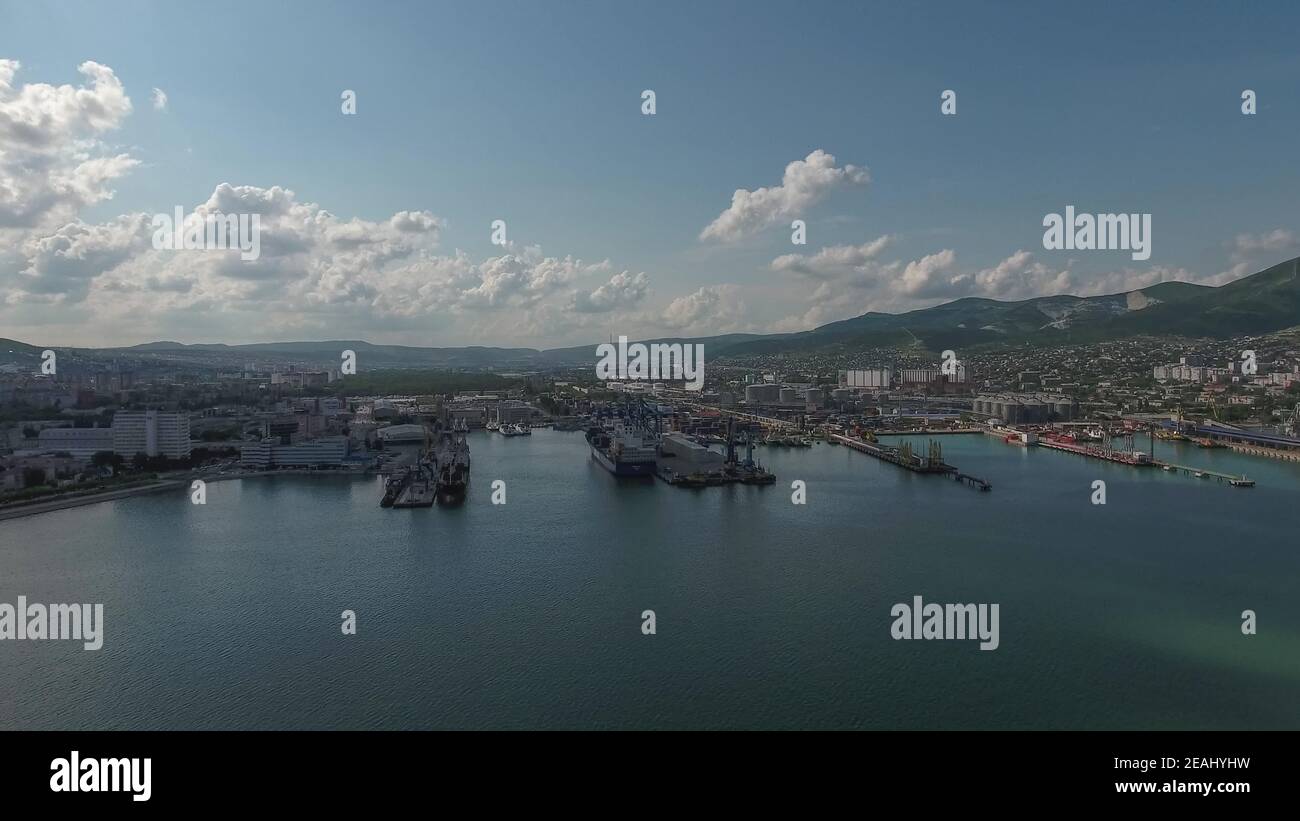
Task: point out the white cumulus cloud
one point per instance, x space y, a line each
805 183
52 161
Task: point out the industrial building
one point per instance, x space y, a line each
512 411
685 456
762 394
875 378
403 434
1026 408
330 451
79 443
473 416
931 377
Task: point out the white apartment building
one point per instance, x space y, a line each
151 432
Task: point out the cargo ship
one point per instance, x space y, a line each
623 451
451 461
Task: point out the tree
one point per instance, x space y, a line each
107 458
33 477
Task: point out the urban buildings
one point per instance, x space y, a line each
328 451
79 443
151 432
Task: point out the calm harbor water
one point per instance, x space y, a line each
769 615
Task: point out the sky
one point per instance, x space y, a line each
377 225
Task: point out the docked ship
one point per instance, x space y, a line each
413 481
625 450
393 488
451 461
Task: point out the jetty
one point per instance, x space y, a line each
903 457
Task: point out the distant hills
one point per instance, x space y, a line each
1261 303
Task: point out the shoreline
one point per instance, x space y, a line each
18 511
34 508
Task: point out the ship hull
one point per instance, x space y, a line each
622 468
452 494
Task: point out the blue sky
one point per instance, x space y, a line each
531 113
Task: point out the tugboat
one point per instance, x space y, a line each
451 461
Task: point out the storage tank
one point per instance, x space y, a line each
816 397
788 396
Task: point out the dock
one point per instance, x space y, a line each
419 493
904 458
1120 456
973 481
1205 473
1138 459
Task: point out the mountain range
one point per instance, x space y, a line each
1257 304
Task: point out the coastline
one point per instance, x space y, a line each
18 511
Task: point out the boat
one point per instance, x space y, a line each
418 490
624 451
1242 482
1168 468
523 430
451 464
392 489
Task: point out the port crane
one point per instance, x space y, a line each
636 412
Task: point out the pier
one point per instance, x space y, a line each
973 481
904 458
1123 457
1202 473
1135 459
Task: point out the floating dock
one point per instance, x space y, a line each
714 478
